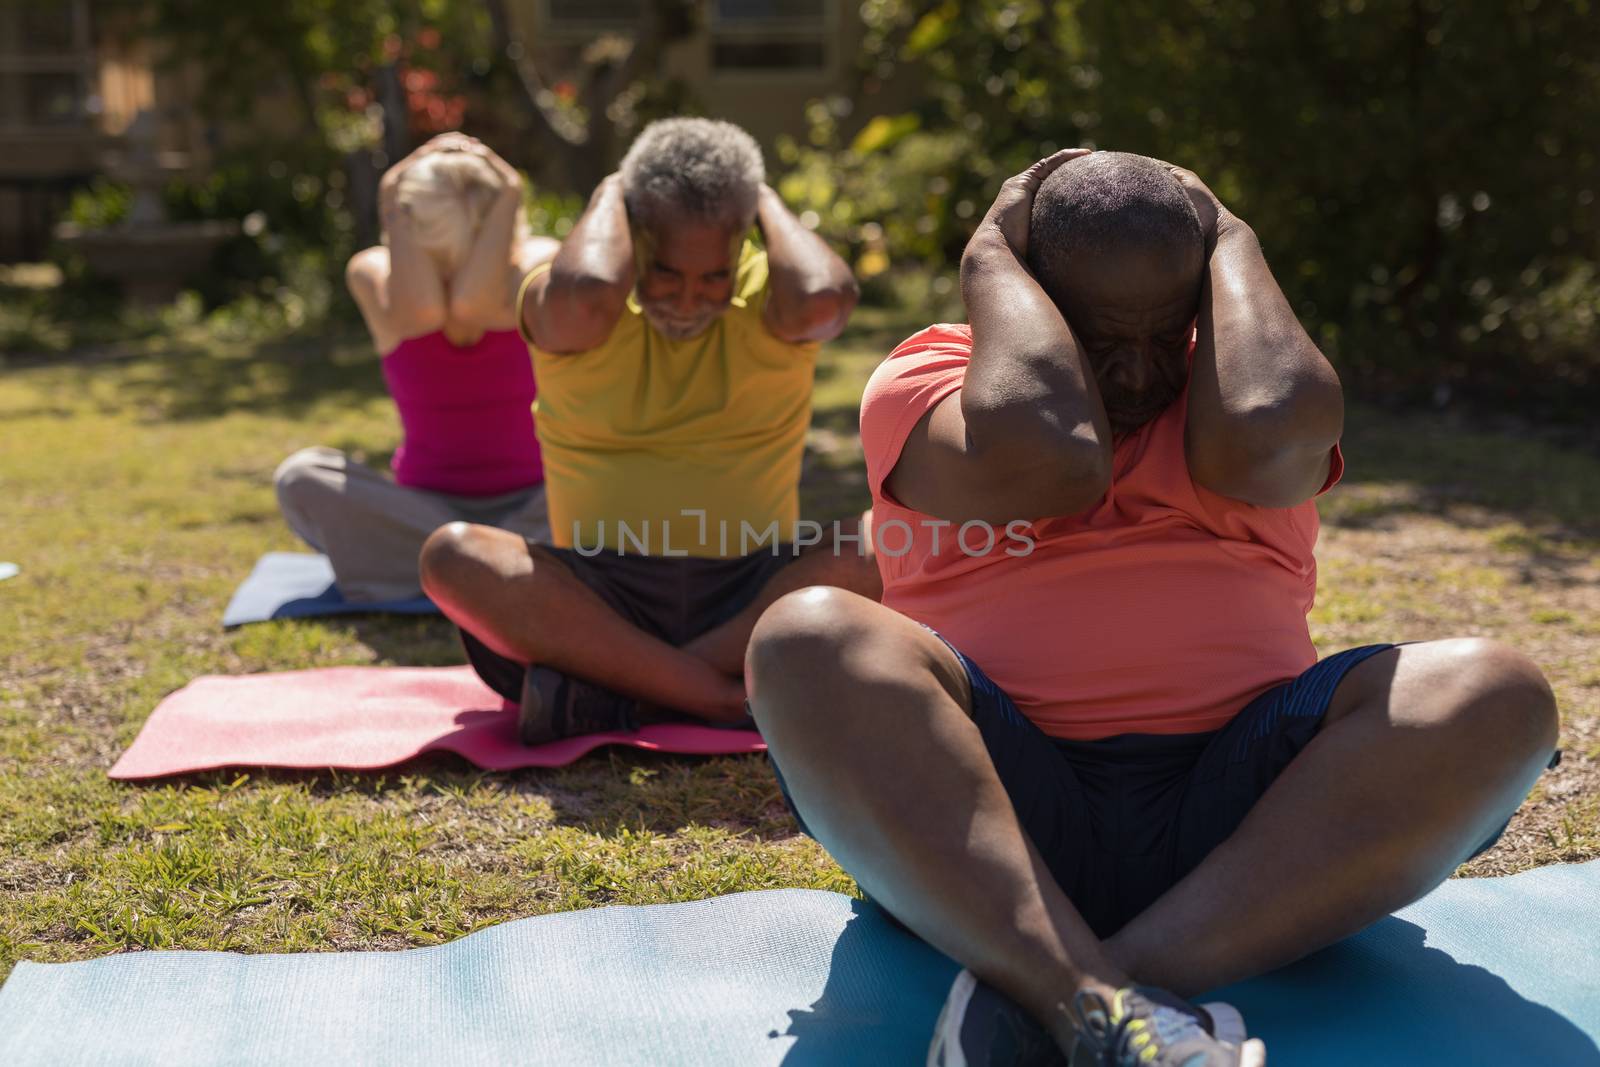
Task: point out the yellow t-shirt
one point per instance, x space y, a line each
643 433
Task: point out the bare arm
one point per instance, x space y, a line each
1265 407
813 291
398 289
479 291
1027 435
575 305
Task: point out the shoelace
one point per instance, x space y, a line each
1130 1040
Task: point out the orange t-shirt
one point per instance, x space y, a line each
1163 609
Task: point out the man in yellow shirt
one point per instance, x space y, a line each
674 361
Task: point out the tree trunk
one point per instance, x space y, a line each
362 172
396 120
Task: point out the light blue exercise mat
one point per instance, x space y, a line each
1503 972
299 585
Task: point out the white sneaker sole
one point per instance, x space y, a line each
1227 1025
945 1048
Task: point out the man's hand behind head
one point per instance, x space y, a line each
1012 209
1214 218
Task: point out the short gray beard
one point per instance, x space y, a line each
674 331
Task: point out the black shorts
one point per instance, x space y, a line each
1119 821
673 598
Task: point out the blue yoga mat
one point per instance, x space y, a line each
1500 972
299 585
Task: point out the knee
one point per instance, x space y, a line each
304 475
802 640
451 555
1501 700
803 631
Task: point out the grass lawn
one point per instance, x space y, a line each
135 493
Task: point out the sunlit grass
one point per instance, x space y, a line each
136 494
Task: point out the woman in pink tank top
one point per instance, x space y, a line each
439 300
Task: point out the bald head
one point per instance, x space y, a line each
1106 202
1116 242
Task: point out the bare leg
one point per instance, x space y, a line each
845 689
840 566
524 604
1426 750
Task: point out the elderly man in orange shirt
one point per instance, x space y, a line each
1084 745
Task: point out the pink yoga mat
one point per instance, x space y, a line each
366 717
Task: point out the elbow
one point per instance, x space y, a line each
1082 476
1311 417
819 315
583 287
1051 470
469 310
828 310
1272 456
1060 481
420 317
587 298
577 313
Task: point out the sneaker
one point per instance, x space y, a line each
555 705
1146 1027
980 1026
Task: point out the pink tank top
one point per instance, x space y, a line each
467 414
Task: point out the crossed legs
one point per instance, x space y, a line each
1423 753
523 603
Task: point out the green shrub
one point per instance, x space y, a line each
99 204
1423 176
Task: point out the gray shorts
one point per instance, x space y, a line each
372 529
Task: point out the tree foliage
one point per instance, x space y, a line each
1423 174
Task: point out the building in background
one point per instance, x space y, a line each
753 62
72 78
74 74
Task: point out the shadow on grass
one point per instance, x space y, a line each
281 377
183 380
617 789
1440 465
607 792
413 641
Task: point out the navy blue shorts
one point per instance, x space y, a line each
1119 821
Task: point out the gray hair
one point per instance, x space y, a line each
705 169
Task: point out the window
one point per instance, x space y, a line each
787 36
769 55
48 28
46 64
52 99
806 14
592 14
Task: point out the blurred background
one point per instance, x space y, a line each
1423 174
